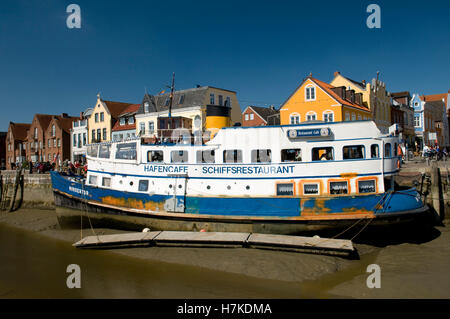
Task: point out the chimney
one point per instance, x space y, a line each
81 115
64 115
363 82
340 90
336 73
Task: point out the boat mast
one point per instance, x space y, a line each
172 87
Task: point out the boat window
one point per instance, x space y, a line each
93 180
395 149
232 156
104 151
339 187
387 150
179 156
261 156
126 151
285 189
311 189
353 152
155 156
291 155
206 156
106 181
322 154
367 186
374 151
92 150
143 185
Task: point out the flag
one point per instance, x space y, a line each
162 92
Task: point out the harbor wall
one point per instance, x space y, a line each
37 189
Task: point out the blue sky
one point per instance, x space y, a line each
260 49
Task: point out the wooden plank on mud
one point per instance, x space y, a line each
221 239
185 238
299 242
117 239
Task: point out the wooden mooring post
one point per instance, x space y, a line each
7 201
437 196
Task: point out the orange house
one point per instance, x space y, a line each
315 100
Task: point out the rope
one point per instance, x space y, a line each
87 214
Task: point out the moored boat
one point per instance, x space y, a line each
272 179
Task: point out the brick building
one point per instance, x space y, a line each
259 116
15 144
57 137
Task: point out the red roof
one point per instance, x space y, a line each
434 97
118 127
328 88
19 130
132 109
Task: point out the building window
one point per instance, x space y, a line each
84 139
99 135
328 116
151 127
122 121
311 116
295 118
261 156
79 140
74 140
181 101
228 101
131 120
252 116
93 136
359 117
220 100
53 130
417 121
353 117
102 117
211 99
167 101
142 128
146 105
232 156
246 117
54 142
96 117
347 116
59 142
310 93
104 134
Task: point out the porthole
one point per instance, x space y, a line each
179 186
170 186
208 187
247 187
131 183
228 187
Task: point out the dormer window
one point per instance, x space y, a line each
122 121
310 93
146 105
131 120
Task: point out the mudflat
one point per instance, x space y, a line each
409 268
